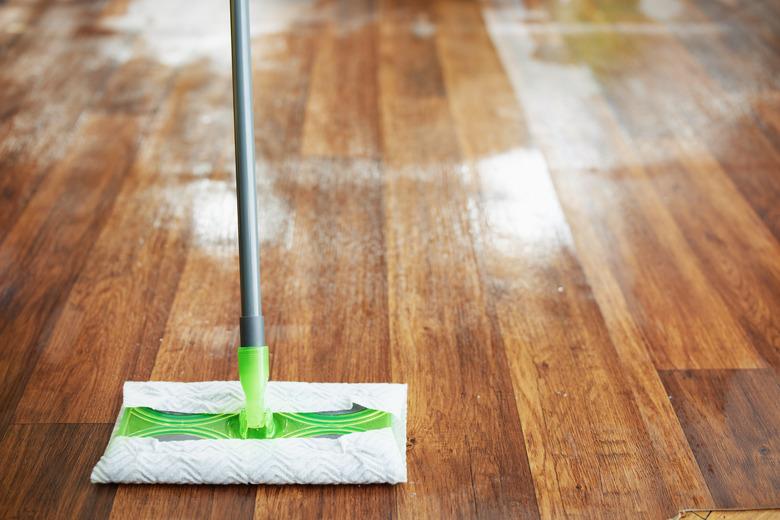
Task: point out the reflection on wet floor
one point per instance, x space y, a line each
547 217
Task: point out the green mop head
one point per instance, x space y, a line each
254 421
302 433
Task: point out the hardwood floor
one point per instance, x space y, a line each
558 222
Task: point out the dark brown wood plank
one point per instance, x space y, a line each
133 272
46 471
44 89
431 261
519 208
51 242
732 422
166 501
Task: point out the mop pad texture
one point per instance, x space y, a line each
376 456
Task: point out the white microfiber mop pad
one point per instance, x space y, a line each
377 456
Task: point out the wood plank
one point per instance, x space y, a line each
766 110
732 423
166 501
51 242
426 230
46 471
521 218
755 24
738 253
137 87
133 272
43 91
282 74
329 301
16 20
200 335
201 332
682 319
329 322
341 111
324 275
740 67
198 344
727 74
735 251
563 358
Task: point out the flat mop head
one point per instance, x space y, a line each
313 433
148 422
251 431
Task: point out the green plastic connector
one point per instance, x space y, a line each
146 422
253 369
255 421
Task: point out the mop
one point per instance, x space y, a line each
255 431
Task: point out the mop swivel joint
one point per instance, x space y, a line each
253 369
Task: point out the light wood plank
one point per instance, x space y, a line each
729 241
682 319
341 110
323 266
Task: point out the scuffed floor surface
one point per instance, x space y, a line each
558 222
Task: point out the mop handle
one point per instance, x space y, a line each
252 330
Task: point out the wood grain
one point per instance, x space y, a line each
38 110
520 213
183 502
51 242
473 384
341 110
47 469
731 421
557 222
648 255
728 59
123 277
327 307
673 157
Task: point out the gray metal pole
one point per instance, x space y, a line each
252 333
